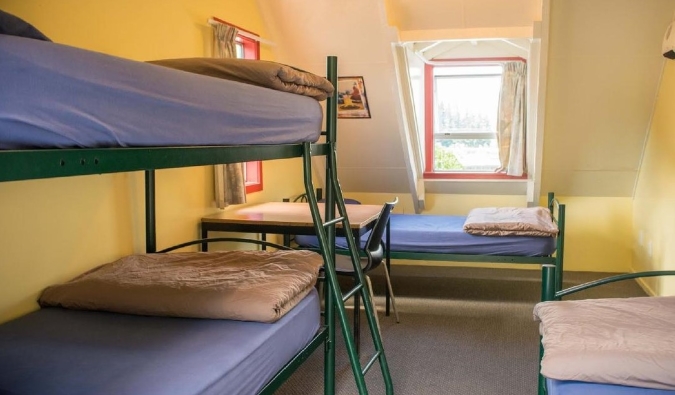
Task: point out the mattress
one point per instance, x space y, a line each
56 96
56 351
444 234
558 387
622 341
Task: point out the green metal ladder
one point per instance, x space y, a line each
325 231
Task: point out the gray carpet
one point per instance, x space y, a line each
463 331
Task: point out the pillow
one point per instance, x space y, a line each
15 26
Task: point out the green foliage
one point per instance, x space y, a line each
444 159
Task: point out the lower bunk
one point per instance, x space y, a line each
611 346
175 325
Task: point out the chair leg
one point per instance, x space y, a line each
372 301
391 292
320 290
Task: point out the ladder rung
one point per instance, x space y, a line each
351 292
333 221
370 363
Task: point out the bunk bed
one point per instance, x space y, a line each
67 112
443 238
611 346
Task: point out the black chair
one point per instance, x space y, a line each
374 254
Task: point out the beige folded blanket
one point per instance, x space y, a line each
511 221
256 72
621 341
239 285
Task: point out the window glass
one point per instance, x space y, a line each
465 105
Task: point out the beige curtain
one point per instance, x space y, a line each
230 184
511 122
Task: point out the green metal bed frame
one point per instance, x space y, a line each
551 266
18 165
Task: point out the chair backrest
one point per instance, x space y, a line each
374 246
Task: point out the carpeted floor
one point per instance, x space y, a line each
463 331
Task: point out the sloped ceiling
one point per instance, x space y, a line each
370 153
604 66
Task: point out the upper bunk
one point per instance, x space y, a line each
68 111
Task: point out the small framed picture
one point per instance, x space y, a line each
352 99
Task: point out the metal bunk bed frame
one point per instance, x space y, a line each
49 163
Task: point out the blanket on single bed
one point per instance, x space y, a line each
239 285
256 72
510 221
622 341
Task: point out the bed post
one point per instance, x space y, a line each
150 234
560 240
331 127
560 248
548 281
325 232
541 390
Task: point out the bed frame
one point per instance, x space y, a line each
551 266
48 163
550 294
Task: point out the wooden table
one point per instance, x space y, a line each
286 219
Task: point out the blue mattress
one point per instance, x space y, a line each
557 387
55 351
444 234
56 96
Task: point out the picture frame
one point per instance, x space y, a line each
352 98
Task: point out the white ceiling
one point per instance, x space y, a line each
449 49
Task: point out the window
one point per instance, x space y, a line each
248 48
462 102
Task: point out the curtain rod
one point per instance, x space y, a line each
213 21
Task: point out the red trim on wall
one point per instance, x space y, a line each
251 47
254 175
255 168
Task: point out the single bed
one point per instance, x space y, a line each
614 346
443 238
66 112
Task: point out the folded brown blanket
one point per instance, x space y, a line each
511 221
239 285
256 72
622 341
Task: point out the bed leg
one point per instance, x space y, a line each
548 282
542 385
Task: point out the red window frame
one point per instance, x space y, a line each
429 172
254 174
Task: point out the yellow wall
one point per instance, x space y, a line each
55 229
654 202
